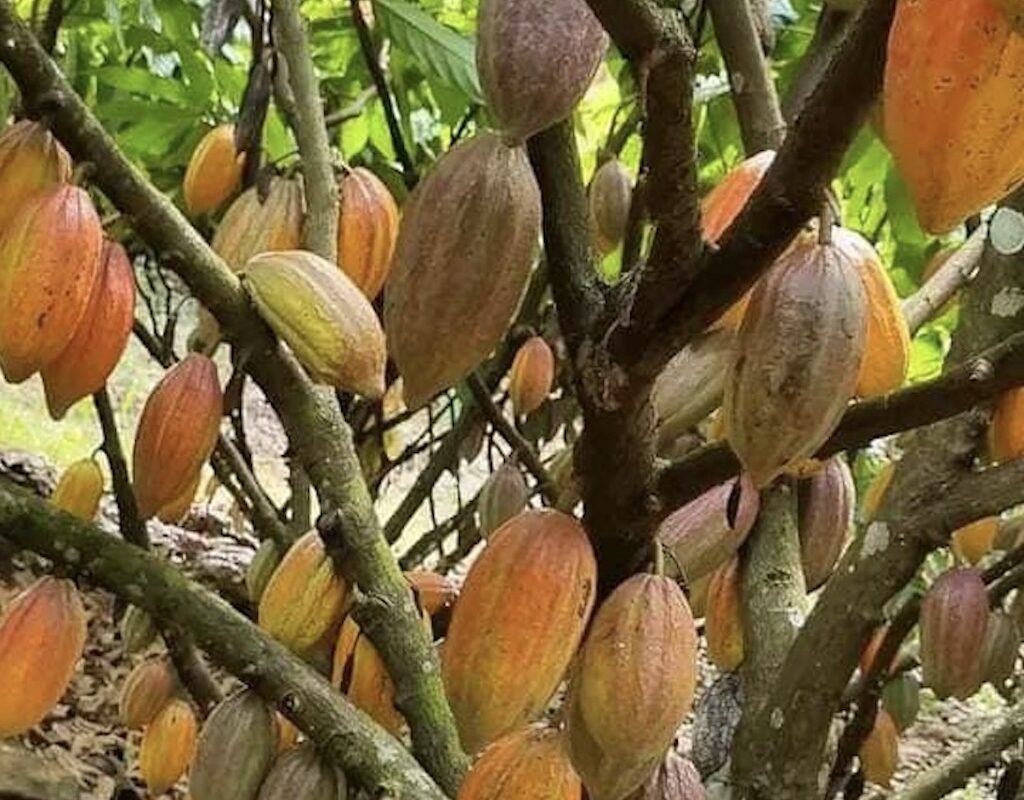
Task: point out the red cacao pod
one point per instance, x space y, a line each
531 376
31 160
261 223
301 773
879 753
214 172
49 264
529 764
974 541
887 339
632 686
901 697
954 616
177 432
99 340
434 592
147 689
465 247
519 620
168 744
367 230
611 195
503 495
999 653
42 634
723 623
79 489
1006 431
676 779
827 501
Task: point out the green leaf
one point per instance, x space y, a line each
143 82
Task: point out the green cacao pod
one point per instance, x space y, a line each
503 495
827 500
137 630
147 689
300 774
901 697
261 223
31 160
999 653
954 617
676 779
261 568
610 194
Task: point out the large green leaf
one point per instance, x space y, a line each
437 49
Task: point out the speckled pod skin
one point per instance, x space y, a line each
827 501
529 764
253 225
676 779
954 617
31 159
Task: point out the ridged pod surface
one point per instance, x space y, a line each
707 531
322 316
236 748
723 623
42 634
529 764
147 689
434 592
31 160
632 685
177 432
676 779
954 616
261 568
519 620
531 376
168 744
300 774
875 493
467 241
367 230
952 116
256 223
797 355
827 501
887 341
1006 431
610 196
304 598
99 340
503 495
999 653
138 631
901 697
49 264
975 540
214 172
536 59
79 489
879 754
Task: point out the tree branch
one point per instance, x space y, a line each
958 269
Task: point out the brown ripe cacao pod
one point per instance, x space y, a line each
529 764
176 510
367 230
214 172
322 316
305 597
632 685
261 568
531 376
465 246
901 697
256 223
503 495
519 620
706 532
723 623
954 616
1006 431
875 493
31 160
147 689
300 774
999 653
797 355
536 59
879 753
676 779
99 340
49 263
610 194
887 342
168 744
137 630
434 592
177 433
974 541
953 77
79 489
42 634
236 748
827 501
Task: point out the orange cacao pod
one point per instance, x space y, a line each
305 597
256 223
723 624
465 247
974 541
875 493
178 508
610 194
367 230
964 64
214 172
999 653
536 59
676 779
100 338
147 689
502 496
31 160
531 376
827 502
49 263
433 591
1006 431
797 355
42 634
529 764
632 685
887 340
79 489
519 619
301 773
177 433
879 753
954 615
168 744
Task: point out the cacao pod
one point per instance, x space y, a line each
706 532
236 748
287 733
42 635
879 753
901 698
999 653
676 779
519 620
31 160
49 263
168 744
367 230
973 542
137 630
467 240
178 508
322 316
99 340
632 685
887 340
965 66
697 594
79 489
502 496
147 689
260 569
261 223
205 335
177 432
611 195
562 470
531 376
954 616
797 355
876 490
301 773
305 597
434 592
827 501
1006 431
536 59
529 764
723 624
1013 10
214 172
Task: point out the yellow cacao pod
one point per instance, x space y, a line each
529 764
168 744
367 230
610 195
887 340
214 172
879 754
531 376
256 223
875 493
31 160
147 689
1006 431
723 623
79 489
974 541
